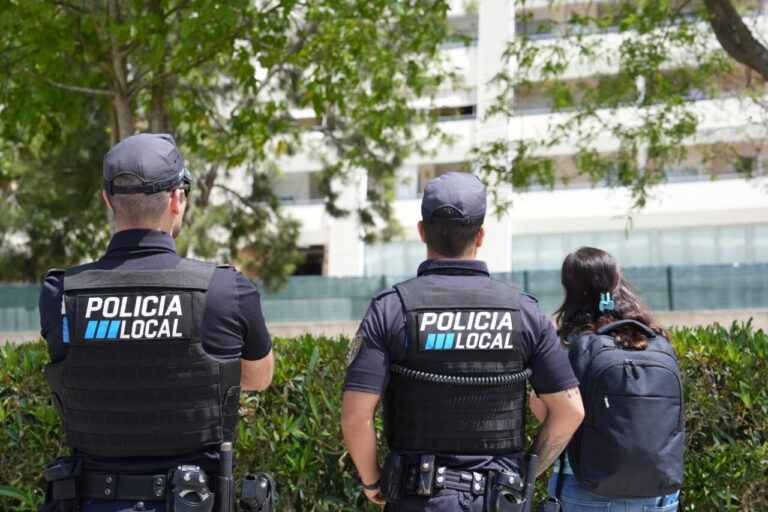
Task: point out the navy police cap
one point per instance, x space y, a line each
154 158
461 191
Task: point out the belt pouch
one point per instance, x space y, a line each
62 489
504 492
426 475
393 478
189 490
551 504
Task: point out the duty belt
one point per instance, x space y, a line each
444 478
123 487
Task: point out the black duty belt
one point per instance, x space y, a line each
123 487
444 478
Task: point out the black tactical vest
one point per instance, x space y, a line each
467 332
136 380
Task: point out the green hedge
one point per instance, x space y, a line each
292 429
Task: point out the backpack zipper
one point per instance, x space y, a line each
632 363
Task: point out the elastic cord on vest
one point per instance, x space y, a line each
460 380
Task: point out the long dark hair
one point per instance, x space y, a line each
588 273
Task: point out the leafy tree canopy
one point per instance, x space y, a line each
636 112
227 79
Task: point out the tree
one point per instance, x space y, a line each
660 60
226 77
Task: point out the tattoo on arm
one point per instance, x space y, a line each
571 393
548 449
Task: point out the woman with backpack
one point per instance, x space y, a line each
628 453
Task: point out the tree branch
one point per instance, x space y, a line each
67 87
735 37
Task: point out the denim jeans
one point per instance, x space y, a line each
575 499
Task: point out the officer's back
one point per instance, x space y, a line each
448 351
148 350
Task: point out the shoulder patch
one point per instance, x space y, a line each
354 349
384 293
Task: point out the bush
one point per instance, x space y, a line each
292 429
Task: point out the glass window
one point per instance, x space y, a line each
550 252
672 247
733 244
703 242
523 252
636 249
760 243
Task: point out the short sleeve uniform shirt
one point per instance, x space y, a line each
234 324
380 341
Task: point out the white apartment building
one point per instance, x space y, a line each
705 213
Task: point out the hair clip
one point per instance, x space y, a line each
606 304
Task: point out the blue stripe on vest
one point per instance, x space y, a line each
90 330
64 329
102 332
449 340
430 341
440 341
114 329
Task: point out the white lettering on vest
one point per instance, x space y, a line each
176 332
444 321
150 329
145 309
485 340
174 307
478 324
111 307
427 319
137 329
472 339
505 322
94 304
165 329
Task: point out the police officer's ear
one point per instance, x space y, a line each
480 237
106 199
178 201
420 227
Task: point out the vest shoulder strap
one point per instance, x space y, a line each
188 274
421 292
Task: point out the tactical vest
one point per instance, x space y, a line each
136 380
467 332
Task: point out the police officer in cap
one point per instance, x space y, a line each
149 350
449 350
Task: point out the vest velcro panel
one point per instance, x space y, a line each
465 332
136 380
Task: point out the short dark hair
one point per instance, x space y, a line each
450 240
137 209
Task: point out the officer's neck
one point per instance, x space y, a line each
164 226
469 255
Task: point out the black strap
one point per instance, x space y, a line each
615 325
123 487
560 476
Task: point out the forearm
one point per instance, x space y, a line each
563 416
357 411
549 444
360 438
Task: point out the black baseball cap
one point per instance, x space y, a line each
154 158
464 192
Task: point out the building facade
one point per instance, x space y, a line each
706 212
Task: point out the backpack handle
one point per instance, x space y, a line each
642 327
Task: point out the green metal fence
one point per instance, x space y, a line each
339 299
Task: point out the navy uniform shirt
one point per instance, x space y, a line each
381 338
234 324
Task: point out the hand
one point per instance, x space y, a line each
375 496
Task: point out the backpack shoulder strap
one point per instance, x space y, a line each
614 325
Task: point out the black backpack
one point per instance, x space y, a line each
630 444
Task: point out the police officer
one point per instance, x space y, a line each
148 350
447 350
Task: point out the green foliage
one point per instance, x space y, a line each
241 84
292 429
630 114
726 418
